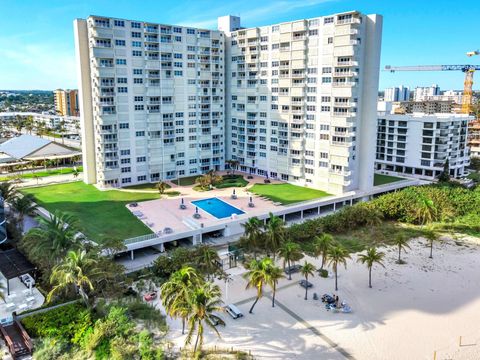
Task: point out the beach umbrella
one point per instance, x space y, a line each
182 201
196 209
251 200
233 191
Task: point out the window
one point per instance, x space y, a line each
191 31
137 81
177 30
142 178
136 53
139 133
122 89
178 38
141 159
138 98
136 35
178 56
136 43
121 61
120 42
330 40
126 169
328 20
135 25
126 180
123 125
275 28
313 32
326 70
139 107
122 80
326 80
178 64
137 71
323 164
125 161
313 22
124 152
119 23
178 73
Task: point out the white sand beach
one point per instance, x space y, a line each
413 310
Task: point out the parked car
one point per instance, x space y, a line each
292 269
150 296
215 321
305 284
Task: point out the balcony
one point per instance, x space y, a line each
343 84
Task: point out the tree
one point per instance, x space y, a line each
207 260
75 172
72 272
2 292
274 274
290 252
337 255
7 190
29 124
431 237
54 237
257 277
234 165
371 257
204 300
306 270
274 233
253 235
426 212
402 242
475 162
174 293
161 187
445 174
321 245
23 206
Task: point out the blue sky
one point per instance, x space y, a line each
37 50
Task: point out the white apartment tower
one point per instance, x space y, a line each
295 101
151 99
401 93
301 99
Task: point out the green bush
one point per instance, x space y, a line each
323 273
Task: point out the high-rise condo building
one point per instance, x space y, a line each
294 101
401 93
66 102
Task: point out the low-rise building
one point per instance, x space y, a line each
474 138
419 144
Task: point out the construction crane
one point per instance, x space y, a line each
469 70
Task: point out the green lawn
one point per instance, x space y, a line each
102 214
148 186
380 179
45 173
287 193
231 181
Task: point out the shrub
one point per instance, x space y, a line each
323 273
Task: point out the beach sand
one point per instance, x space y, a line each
412 311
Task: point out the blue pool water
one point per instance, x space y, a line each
218 208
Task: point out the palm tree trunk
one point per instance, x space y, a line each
253 305
289 271
306 287
370 277
196 341
273 294
323 260
399 251
431 249
183 326
335 269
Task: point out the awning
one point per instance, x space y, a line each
13 264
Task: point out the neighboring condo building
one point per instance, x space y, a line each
401 93
418 145
301 97
152 100
295 101
474 138
66 102
423 93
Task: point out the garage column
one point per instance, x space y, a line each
132 256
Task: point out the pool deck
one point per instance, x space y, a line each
161 213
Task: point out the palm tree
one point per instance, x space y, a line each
72 271
306 270
402 242
24 205
7 190
257 277
337 255
426 211
290 251
75 173
321 245
371 257
207 259
274 233
53 238
174 293
253 233
161 187
431 237
274 274
2 293
204 299
234 164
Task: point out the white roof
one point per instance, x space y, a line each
23 145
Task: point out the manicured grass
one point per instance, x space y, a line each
232 181
186 181
380 179
102 214
149 186
287 193
43 173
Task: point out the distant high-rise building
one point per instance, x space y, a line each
422 93
66 102
401 93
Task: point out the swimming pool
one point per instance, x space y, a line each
218 208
